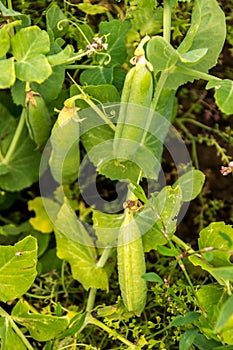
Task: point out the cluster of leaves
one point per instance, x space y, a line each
33 65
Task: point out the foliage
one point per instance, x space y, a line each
95 270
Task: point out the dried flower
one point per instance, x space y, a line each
225 170
97 44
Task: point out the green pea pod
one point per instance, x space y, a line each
131 265
37 118
65 156
137 92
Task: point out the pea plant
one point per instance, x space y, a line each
86 114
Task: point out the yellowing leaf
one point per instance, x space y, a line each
41 221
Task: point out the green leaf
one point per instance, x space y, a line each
145 19
18 92
62 56
40 326
3 169
220 236
17 268
107 227
211 298
35 69
158 217
92 10
7 77
9 339
81 254
97 76
207 31
191 184
223 94
8 124
116 31
53 16
138 191
187 339
224 322
188 318
152 277
8 12
202 343
161 54
33 41
104 93
13 230
77 323
51 87
193 56
217 238
4 41
23 164
32 65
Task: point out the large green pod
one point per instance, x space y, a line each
131 265
137 93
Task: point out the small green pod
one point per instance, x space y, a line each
65 156
137 93
38 119
131 265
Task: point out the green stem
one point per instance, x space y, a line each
63 277
91 299
195 73
76 57
182 266
218 132
80 66
87 99
182 244
3 313
157 93
158 89
101 262
193 142
16 137
111 332
100 113
167 21
9 4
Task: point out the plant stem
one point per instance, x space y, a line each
91 299
16 137
182 244
193 142
100 113
3 313
167 21
181 264
158 89
80 66
195 73
87 99
111 332
9 4
101 262
218 132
